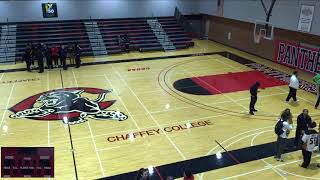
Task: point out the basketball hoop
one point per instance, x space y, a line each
257 38
263 30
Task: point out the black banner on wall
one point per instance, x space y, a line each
49 10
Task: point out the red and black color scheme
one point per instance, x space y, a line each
67 105
297 56
225 83
27 162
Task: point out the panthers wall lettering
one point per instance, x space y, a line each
297 56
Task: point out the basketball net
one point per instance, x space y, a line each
257 38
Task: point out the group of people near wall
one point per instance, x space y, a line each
51 57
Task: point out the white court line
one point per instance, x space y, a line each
48 88
145 108
276 87
2 76
131 130
96 149
221 102
106 149
268 164
297 96
94 143
278 169
7 105
293 174
263 169
223 94
228 98
233 142
120 99
237 136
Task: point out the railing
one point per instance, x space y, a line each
5 40
183 21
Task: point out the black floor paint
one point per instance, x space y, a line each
209 163
188 86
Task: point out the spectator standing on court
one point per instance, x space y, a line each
39 57
254 97
310 141
316 80
302 121
293 87
55 55
70 53
282 129
33 53
47 53
187 175
77 54
63 57
27 56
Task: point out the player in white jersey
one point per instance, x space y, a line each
310 143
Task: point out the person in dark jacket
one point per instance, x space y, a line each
254 97
77 54
302 121
27 56
33 53
39 57
63 57
70 53
48 55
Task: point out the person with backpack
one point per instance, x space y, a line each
302 121
282 129
310 143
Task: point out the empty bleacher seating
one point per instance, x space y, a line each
142 33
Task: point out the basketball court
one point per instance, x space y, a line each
177 107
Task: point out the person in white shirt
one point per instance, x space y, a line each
310 141
286 118
293 87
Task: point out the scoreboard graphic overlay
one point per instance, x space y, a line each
27 162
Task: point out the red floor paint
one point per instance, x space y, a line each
234 82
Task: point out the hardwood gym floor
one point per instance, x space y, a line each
165 123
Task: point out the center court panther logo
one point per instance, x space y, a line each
60 103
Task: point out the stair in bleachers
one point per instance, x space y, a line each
8 43
96 41
161 35
141 35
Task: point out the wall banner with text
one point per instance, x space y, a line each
297 56
306 16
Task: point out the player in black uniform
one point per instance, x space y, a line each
254 97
